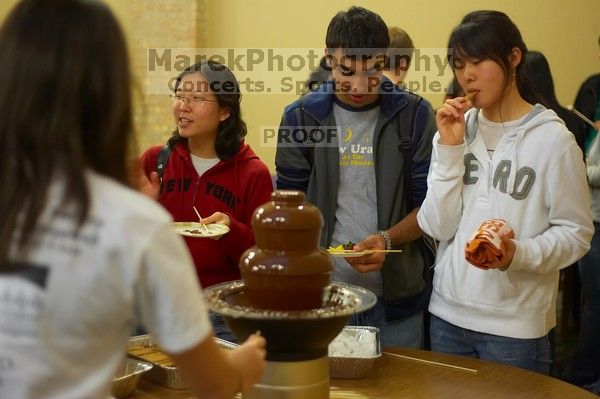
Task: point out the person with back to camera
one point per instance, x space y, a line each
82 255
358 178
499 155
584 368
209 167
401 52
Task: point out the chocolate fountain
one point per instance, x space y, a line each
286 293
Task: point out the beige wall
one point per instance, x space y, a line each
566 31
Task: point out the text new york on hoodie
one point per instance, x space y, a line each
235 186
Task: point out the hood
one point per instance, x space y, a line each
244 154
538 116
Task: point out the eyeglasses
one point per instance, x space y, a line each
196 100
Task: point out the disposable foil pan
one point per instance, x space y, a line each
127 377
227 345
353 352
169 376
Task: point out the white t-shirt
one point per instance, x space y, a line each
203 164
492 132
68 306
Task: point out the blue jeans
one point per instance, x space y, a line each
220 329
585 367
406 333
529 354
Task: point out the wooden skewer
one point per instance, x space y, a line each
416 359
584 118
366 251
200 218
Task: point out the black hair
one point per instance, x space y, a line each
65 108
224 85
490 34
537 73
357 28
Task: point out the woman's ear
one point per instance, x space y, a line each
515 57
225 113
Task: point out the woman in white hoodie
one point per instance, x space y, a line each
501 155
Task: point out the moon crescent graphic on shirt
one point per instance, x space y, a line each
348 136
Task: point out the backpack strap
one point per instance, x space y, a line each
426 244
163 157
407 126
308 151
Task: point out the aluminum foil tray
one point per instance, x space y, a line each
163 372
353 352
127 377
227 345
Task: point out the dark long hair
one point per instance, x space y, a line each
537 72
222 82
65 106
490 34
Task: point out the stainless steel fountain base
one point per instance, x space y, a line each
297 341
293 380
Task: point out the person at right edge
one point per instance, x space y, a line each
501 155
588 103
584 369
357 175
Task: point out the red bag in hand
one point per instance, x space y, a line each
485 246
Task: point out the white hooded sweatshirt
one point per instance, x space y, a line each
536 181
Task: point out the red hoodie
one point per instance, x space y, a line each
235 186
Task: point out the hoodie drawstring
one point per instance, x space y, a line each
237 189
513 161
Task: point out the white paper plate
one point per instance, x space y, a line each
195 229
348 253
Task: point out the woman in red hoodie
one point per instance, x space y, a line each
211 168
